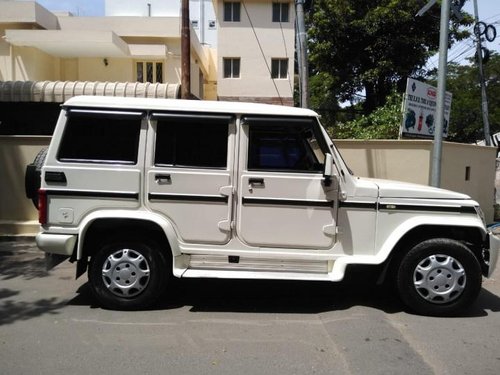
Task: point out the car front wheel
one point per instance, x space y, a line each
439 277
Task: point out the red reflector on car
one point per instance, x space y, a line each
42 206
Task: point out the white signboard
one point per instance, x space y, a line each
419 117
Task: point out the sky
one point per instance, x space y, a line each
84 8
489 12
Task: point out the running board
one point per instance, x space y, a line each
264 275
218 265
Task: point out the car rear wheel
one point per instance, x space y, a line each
439 277
128 275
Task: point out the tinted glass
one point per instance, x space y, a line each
191 144
100 140
285 148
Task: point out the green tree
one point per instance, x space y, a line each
371 46
466 122
383 123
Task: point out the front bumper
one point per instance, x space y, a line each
494 248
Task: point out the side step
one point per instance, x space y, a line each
234 267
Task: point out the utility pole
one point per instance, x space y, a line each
185 52
441 94
484 97
302 58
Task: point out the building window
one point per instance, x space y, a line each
232 11
231 67
149 71
279 68
280 12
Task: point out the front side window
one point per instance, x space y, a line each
279 68
280 12
231 67
149 71
96 139
293 148
191 143
232 11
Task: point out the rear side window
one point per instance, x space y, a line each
191 143
95 138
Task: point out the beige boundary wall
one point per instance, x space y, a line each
18 216
468 169
398 160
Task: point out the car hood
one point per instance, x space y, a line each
398 189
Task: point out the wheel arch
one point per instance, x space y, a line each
470 232
96 225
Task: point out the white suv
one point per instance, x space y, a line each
137 190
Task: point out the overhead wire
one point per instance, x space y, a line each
261 50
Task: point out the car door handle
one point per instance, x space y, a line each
255 182
163 179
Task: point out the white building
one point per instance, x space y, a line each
240 50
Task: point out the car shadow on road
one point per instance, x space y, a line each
284 297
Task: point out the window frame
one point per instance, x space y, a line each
102 114
231 74
144 71
231 11
280 61
205 120
280 15
285 122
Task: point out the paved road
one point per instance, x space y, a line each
50 325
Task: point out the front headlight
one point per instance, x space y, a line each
480 213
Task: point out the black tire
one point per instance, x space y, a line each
128 275
439 277
32 176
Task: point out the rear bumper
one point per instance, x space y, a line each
492 257
61 244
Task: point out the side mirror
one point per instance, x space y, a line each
328 171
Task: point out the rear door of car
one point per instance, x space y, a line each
189 174
97 164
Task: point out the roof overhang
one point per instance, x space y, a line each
70 43
60 91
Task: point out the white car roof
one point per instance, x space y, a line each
110 102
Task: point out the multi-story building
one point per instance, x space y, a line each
240 50
255 50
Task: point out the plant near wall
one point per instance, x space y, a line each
383 123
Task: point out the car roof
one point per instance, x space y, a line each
154 104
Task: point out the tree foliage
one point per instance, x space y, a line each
383 123
466 121
371 46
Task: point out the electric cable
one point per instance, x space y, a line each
261 51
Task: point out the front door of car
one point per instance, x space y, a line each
189 178
283 198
